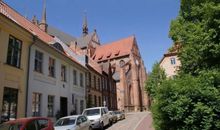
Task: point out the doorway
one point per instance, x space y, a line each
63 106
10 102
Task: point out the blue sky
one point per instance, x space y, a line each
148 20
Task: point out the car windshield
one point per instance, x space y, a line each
92 112
65 121
7 126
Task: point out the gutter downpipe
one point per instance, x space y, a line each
29 56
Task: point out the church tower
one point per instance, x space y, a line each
85 26
43 24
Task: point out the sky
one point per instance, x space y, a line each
148 20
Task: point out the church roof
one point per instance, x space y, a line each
115 49
83 41
66 38
24 23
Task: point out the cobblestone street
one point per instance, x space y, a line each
134 121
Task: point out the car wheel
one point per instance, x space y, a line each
90 128
102 126
110 122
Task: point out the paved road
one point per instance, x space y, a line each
134 121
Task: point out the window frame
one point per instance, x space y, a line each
63 73
36 104
52 67
14 48
38 62
49 104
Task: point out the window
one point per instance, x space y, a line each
94 81
99 84
42 124
51 67
75 77
81 106
31 126
100 101
173 61
95 100
50 106
14 52
38 61
90 79
81 79
36 99
63 73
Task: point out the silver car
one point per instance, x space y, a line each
76 122
120 115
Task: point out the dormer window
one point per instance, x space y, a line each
109 54
100 57
117 52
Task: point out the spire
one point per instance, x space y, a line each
34 20
43 24
85 26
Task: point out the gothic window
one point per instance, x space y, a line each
14 52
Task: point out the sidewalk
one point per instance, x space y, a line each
146 123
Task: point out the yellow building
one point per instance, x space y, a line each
14 52
17 34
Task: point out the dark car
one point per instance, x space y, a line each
32 123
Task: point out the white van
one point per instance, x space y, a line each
99 116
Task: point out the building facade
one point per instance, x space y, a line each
14 51
56 84
170 61
129 72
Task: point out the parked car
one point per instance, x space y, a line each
31 123
76 122
113 117
98 116
120 115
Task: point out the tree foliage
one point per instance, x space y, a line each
188 103
191 101
198 28
155 79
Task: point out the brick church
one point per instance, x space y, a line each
122 58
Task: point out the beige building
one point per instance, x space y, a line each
170 61
14 51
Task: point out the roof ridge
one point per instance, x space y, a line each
109 43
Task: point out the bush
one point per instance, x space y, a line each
188 102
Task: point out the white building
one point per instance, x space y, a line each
56 82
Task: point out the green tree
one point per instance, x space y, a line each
155 79
198 29
188 103
191 101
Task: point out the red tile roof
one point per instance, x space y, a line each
23 22
115 49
